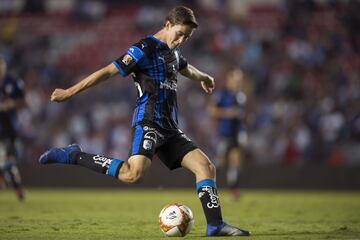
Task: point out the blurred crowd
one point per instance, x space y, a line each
301 60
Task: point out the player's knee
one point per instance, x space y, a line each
207 169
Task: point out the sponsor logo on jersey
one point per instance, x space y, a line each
127 59
167 84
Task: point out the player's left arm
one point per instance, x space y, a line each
207 81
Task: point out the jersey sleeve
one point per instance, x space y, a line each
128 62
181 60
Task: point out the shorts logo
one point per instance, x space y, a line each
147 145
153 131
127 59
146 128
186 137
151 135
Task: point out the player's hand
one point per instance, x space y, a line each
60 95
208 84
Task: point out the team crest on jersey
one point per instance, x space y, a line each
127 59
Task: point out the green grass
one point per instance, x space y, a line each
133 214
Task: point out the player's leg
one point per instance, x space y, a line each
205 173
2 179
2 164
11 171
131 171
221 150
12 176
233 171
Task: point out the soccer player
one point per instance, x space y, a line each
154 63
11 99
227 106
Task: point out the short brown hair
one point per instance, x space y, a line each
182 15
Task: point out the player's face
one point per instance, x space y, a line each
177 34
234 80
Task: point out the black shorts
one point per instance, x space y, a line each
170 145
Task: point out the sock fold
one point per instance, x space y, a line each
114 168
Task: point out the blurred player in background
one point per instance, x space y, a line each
11 99
154 63
227 106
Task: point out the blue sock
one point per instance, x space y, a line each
207 193
114 168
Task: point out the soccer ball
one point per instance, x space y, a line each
176 220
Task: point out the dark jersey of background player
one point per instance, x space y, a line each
227 107
11 98
154 67
10 89
229 127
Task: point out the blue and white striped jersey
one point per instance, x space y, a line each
154 68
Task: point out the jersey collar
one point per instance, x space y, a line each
161 43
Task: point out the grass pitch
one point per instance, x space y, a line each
133 214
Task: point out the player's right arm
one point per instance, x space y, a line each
124 65
97 77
